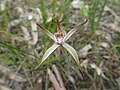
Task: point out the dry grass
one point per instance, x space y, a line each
22 46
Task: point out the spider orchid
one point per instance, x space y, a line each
60 37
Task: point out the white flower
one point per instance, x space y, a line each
60 37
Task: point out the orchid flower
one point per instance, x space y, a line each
60 38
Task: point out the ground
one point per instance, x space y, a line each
23 44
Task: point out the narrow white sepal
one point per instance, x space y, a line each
72 51
46 31
71 32
48 52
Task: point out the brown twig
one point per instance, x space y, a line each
58 77
53 80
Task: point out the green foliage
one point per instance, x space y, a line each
92 14
14 50
117 42
115 2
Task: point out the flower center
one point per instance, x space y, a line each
59 36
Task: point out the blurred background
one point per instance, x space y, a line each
23 44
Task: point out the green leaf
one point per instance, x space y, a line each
46 31
71 32
47 53
72 51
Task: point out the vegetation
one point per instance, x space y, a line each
89 60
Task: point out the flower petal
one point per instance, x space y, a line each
47 53
46 31
71 32
72 51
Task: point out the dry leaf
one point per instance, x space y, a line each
99 70
11 75
77 4
34 32
26 33
59 78
38 85
2 87
84 63
84 51
53 80
104 44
